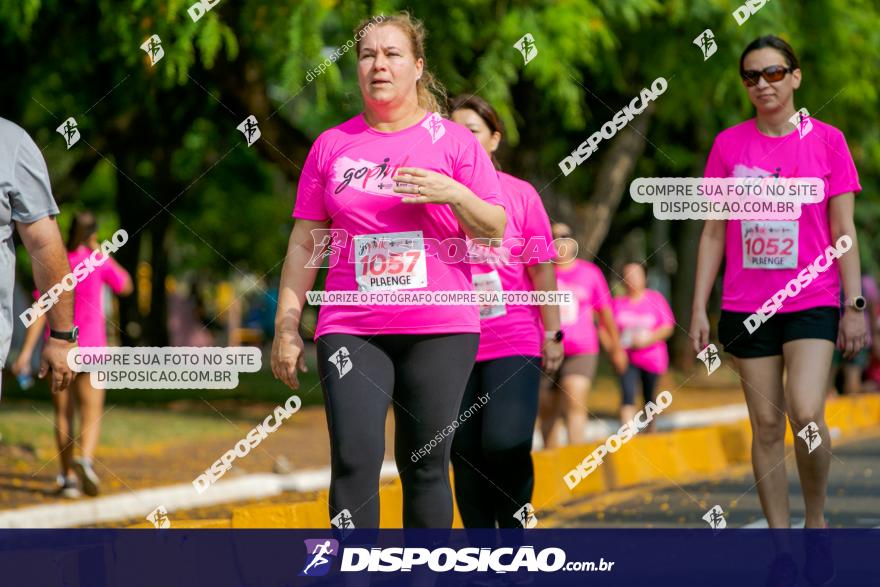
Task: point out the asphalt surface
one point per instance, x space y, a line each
853 497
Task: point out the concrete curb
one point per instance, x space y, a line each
678 455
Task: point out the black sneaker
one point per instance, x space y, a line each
783 572
819 564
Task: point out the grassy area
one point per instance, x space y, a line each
30 424
252 387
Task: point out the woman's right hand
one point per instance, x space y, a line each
699 330
288 356
620 360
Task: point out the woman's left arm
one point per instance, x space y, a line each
478 218
852 334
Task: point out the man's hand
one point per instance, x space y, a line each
54 359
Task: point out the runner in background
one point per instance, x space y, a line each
491 452
799 339
564 396
645 321
383 182
88 316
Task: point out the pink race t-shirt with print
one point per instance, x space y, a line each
88 305
591 292
752 273
379 241
515 329
644 316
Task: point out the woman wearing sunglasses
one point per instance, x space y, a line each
799 338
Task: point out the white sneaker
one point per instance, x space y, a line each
68 487
89 480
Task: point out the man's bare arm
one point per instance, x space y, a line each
50 265
43 242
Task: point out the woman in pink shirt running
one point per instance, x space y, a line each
769 256
564 396
491 453
393 194
645 321
88 316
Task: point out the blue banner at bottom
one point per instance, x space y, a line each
286 558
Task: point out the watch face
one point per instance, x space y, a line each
859 303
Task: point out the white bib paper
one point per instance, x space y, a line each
770 244
390 261
568 313
489 282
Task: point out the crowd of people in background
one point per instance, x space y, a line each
536 365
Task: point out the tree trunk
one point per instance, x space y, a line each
687 246
593 217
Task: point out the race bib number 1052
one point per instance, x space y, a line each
390 261
770 244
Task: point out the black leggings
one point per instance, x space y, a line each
630 379
491 453
423 376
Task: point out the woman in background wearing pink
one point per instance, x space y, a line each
88 316
491 453
645 321
763 257
565 395
381 184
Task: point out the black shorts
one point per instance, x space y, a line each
768 339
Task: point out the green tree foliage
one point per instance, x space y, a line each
160 147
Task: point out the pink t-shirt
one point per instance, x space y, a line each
646 315
591 293
515 329
88 305
743 151
346 180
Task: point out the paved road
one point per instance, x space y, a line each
853 498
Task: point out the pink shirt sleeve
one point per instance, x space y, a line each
844 177
715 166
537 226
474 169
601 293
665 317
113 275
310 189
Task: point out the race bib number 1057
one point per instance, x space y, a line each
390 261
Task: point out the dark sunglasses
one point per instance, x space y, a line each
774 73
